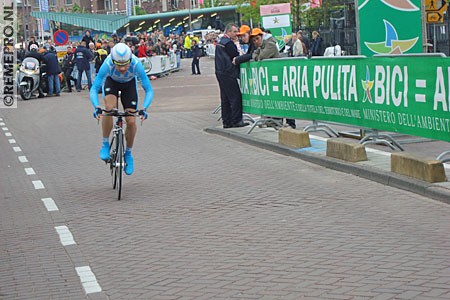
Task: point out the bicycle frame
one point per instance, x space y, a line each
117 146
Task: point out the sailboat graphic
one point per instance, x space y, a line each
404 5
392 45
367 86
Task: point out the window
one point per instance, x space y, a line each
108 5
52 3
69 2
36 3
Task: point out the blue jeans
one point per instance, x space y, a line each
89 78
54 85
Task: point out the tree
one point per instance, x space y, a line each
302 14
139 10
208 3
78 9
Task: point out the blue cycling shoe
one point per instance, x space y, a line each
104 152
129 167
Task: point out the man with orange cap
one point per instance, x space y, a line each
246 42
266 45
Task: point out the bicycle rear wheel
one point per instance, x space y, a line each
112 161
120 164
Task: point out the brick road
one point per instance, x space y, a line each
203 217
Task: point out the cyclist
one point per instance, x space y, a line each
119 72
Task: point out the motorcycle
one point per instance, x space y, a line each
29 78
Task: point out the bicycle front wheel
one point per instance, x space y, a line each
120 164
112 162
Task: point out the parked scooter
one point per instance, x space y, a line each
29 78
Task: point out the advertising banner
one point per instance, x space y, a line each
410 95
389 27
159 64
277 19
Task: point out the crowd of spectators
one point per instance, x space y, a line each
238 46
92 50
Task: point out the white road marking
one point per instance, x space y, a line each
17 149
5 128
88 280
30 171
50 205
65 236
23 159
8 134
38 185
12 141
2 123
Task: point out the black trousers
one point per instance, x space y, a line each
69 78
230 100
196 64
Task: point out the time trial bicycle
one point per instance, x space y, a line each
117 147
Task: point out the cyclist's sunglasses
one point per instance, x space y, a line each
121 63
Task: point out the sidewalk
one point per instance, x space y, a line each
377 168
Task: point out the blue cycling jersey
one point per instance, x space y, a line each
108 69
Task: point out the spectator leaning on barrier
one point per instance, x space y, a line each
100 56
110 46
334 50
187 46
302 36
244 34
87 38
266 45
227 74
317 48
82 58
299 48
53 70
142 49
289 45
67 68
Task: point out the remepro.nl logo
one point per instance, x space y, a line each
8 38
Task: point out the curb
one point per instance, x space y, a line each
387 178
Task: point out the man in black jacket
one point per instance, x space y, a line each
82 57
87 38
227 74
67 68
53 70
196 54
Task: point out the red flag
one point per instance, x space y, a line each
315 3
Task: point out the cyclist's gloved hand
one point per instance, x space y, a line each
97 112
143 114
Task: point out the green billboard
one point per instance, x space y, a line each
409 95
277 19
389 26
